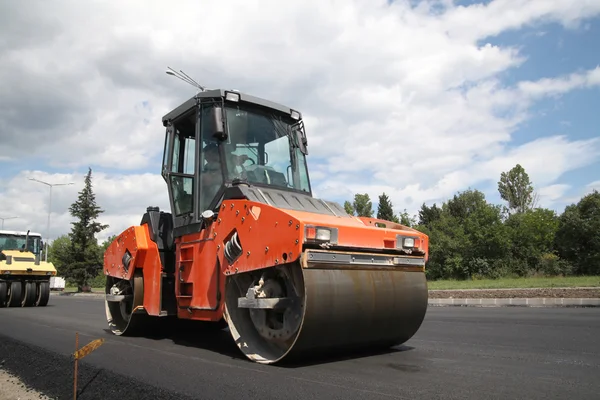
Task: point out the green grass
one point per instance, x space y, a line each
73 289
522 283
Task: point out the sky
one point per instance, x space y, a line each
417 99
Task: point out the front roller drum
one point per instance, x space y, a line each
291 312
123 297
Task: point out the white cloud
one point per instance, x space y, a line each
549 194
593 186
123 198
407 99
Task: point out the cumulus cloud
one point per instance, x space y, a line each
399 97
123 198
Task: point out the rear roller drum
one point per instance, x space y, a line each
14 294
122 298
29 295
3 294
43 294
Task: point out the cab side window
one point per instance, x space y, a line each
183 164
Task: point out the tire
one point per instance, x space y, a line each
14 294
29 296
43 294
3 294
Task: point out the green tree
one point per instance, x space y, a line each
467 239
385 209
578 236
59 253
86 256
406 219
516 189
429 214
532 236
363 205
349 207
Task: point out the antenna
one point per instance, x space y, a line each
185 77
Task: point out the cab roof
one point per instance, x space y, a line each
212 93
19 233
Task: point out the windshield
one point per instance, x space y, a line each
17 242
260 149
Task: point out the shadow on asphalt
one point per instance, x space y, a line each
197 334
216 338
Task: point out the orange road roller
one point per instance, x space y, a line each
247 246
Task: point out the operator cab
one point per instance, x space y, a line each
21 241
220 143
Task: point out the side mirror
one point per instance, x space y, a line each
217 123
301 141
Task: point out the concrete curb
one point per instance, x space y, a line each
507 302
517 302
87 295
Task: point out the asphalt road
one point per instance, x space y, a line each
459 353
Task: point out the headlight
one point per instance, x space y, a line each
320 234
404 242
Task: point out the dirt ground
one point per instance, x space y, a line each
11 388
516 293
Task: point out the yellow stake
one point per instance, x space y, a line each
80 353
88 348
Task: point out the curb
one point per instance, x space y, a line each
517 288
517 302
88 295
468 302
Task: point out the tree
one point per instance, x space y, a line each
516 189
578 237
85 255
59 253
532 235
406 219
349 207
362 205
385 209
428 215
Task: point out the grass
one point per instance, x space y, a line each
521 283
73 289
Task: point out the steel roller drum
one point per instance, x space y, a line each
336 307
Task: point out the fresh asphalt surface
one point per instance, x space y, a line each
459 353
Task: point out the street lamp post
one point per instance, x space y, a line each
49 208
6 218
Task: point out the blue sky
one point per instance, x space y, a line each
396 99
552 50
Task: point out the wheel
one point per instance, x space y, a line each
14 294
43 294
265 332
3 294
29 295
122 298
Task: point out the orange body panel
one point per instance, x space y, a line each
199 282
268 236
145 256
361 232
